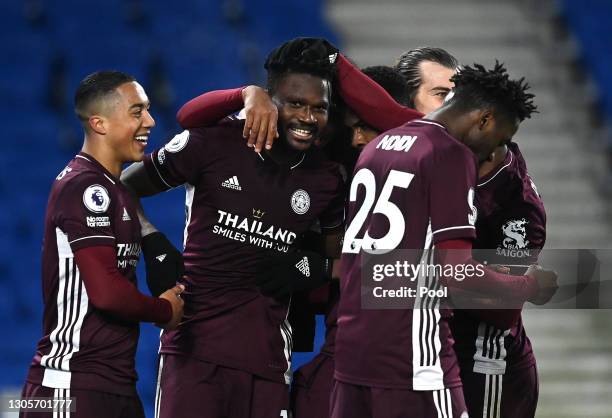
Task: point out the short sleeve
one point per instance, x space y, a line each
179 161
452 184
84 212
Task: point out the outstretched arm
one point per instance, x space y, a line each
261 114
370 102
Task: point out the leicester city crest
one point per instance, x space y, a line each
96 198
300 201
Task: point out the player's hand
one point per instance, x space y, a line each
500 269
547 284
285 273
174 297
321 43
164 263
261 118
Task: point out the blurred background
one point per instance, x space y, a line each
178 50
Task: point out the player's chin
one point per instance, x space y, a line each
300 144
137 155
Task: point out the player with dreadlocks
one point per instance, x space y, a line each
497 363
413 188
231 357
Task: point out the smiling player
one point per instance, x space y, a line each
232 354
91 248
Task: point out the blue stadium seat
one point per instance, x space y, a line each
202 50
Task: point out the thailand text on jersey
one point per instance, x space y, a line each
240 206
82 347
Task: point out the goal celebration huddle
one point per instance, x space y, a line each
302 197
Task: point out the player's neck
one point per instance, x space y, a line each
448 117
102 156
283 155
498 158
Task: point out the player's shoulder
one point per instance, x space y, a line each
84 178
227 130
521 176
521 194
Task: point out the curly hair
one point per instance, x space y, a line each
477 87
300 55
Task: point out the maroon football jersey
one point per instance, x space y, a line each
511 226
240 206
82 347
420 182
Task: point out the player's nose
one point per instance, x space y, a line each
149 122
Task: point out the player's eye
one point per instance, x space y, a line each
295 104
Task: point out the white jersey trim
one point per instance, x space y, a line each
490 355
158 391
189 194
427 373
287 335
92 236
443 403
429 122
454 227
109 179
491 407
498 171
158 173
72 305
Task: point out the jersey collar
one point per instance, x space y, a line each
84 156
293 166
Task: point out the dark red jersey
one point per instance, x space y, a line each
240 206
511 229
83 347
413 187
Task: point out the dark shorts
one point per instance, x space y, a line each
353 401
513 395
87 403
190 388
312 386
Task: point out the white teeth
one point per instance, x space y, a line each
142 138
301 132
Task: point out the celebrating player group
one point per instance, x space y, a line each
293 192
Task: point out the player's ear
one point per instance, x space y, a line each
486 117
97 123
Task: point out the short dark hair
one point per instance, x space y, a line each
409 65
477 88
391 80
97 86
299 55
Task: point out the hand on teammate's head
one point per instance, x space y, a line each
261 113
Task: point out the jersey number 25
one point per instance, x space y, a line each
397 224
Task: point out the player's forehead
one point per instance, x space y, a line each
303 87
132 94
434 75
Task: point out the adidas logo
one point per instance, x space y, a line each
303 267
232 183
161 258
126 216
